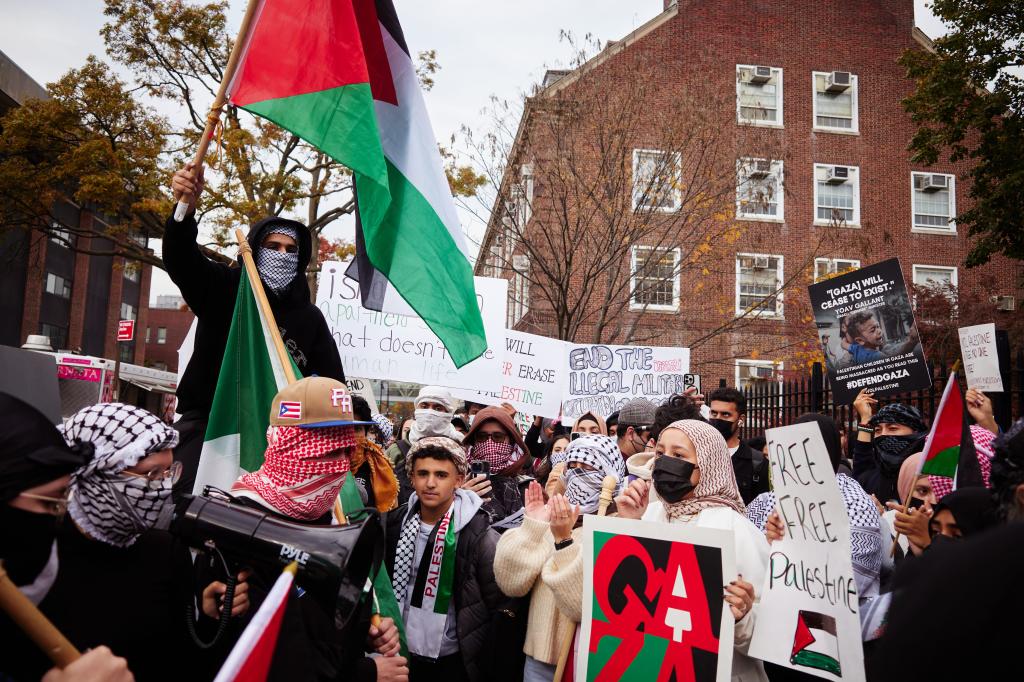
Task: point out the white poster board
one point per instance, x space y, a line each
981 361
532 376
363 388
394 347
652 598
602 378
808 617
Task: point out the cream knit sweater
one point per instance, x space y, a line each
526 563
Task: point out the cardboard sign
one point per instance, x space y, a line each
532 376
126 330
394 347
808 618
362 387
653 607
868 334
981 360
602 378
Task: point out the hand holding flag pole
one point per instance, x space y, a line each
213 123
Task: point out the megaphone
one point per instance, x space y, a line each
334 562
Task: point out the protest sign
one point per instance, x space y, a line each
868 334
601 378
376 345
362 387
653 607
981 360
532 376
808 618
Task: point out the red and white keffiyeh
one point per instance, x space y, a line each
303 470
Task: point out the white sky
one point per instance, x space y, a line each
484 48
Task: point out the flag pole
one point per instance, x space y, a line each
33 623
264 304
213 117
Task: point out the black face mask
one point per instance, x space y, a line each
892 450
26 539
940 540
724 427
672 478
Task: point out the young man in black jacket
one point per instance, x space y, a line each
281 249
728 407
440 556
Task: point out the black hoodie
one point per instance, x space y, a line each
210 290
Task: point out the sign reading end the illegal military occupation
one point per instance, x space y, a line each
653 607
808 617
867 331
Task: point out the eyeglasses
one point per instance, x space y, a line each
156 477
58 505
497 437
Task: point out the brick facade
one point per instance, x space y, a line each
692 52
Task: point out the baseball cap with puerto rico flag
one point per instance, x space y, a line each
314 402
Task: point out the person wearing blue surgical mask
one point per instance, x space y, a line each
281 249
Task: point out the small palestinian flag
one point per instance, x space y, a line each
949 450
815 644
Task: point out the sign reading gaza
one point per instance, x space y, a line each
868 334
808 618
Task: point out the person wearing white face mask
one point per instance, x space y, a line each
107 544
435 408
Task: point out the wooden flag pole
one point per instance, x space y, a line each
34 624
264 304
213 117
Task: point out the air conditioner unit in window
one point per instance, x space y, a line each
932 182
760 75
837 175
760 372
760 262
760 168
837 81
1005 303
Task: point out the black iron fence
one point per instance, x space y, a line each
779 403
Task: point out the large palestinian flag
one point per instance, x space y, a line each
949 449
338 74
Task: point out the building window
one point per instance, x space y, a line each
934 196
759 95
132 272
656 180
759 284
61 235
835 101
836 195
829 267
525 208
654 279
161 335
148 334
759 193
58 335
127 311
750 373
140 238
57 285
519 293
126 351
934 276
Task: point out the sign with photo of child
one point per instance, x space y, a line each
868 334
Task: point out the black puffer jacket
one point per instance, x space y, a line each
479 602
210 290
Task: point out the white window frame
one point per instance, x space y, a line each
931 229
634 306
777 76
780 311
149 334
776 367
519 291
677 192
161 335
61 286
742 170
854 178
526 182
132 314
951 268
61 236
831 265
855 122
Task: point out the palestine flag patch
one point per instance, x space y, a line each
815 644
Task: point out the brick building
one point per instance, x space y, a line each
47 288
169 322
805 99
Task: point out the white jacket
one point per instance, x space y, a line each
751 563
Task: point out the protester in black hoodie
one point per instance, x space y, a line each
281 249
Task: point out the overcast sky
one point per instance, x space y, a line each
484 47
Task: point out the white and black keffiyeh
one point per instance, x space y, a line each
277 270
404 555
111 508
583 486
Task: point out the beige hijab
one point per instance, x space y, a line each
717 485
